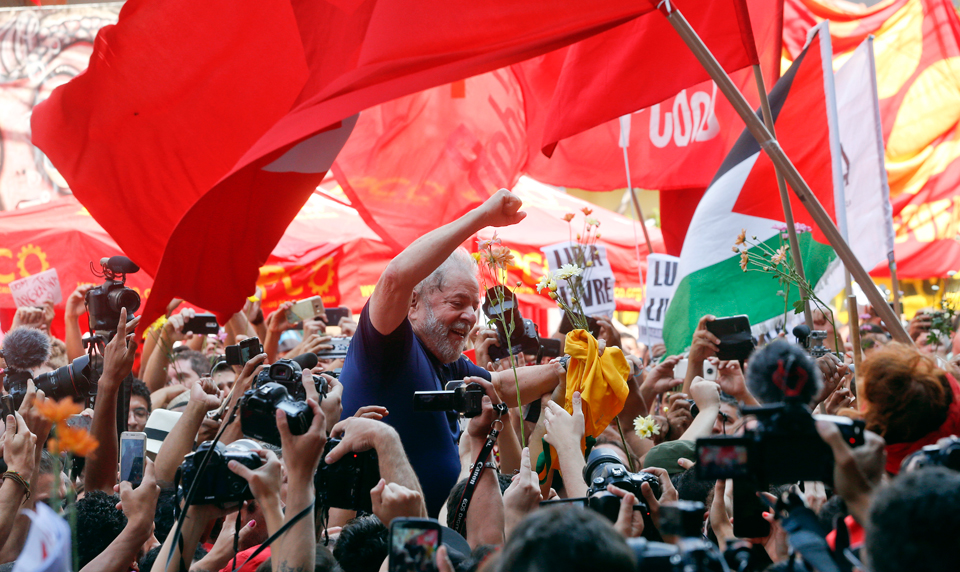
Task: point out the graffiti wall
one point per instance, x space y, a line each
40 48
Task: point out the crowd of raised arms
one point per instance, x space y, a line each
254 459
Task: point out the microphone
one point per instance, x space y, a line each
25 348
307 361
782 371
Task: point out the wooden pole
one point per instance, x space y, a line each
790 173
895 284
784 195
854 331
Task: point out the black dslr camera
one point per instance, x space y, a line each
466 399
105 301
76 380
346 484
523 338
217 483
691 551
258 408
287 373
604 468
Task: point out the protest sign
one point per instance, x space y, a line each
661 285
37 290
598 281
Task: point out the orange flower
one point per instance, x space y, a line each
586 211
499 256
568 217
58 411
74 440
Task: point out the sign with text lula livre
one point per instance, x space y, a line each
598 281
661 285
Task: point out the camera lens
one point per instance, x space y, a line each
70 380
124 298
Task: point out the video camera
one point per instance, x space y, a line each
105 301
523 336
217 484
812 341
346 484
466 399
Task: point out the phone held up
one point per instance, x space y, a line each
133 451
413 544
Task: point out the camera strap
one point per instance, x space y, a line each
459 522
805 534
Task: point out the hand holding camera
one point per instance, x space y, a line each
119 353
302 452
75 306
140 504
479 427
173 328
393 500
264 480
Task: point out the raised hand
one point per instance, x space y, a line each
120 352
502 209
393 500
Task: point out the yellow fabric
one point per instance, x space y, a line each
602 383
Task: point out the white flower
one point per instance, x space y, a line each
568 271
544 282
646 427
592 222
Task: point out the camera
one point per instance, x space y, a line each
75 380
466 399
812 341
691 552
346 484
105 301
258 408
604 468
943 454
243 352
500 307
783 448
217 484
288 373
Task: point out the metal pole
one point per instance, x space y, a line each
636 203
792 176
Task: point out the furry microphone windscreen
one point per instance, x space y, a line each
783 371
25 348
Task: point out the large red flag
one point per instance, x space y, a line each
193 144
642 63
421 160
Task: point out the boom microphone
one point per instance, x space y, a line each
25 348
307 361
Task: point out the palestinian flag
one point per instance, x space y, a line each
744 195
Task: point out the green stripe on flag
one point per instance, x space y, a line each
723 289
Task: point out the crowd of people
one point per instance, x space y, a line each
891 501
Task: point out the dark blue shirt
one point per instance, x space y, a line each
386 370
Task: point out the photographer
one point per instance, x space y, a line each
411 336
159 372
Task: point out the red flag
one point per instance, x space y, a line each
186 138
420 161
644 62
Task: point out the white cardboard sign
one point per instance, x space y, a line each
598 279
37 290
661 285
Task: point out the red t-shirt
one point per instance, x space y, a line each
249 566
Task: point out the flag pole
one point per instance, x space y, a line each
782 162
854 332
895 284
784 194
636 204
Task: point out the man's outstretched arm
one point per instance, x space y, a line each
391 299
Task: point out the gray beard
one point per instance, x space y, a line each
436 334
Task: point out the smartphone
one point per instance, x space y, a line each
413 544
334 315
243 352
202 324
306 309
133 452
550 348
736 341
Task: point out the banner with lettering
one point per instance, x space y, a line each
661 286
598 281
